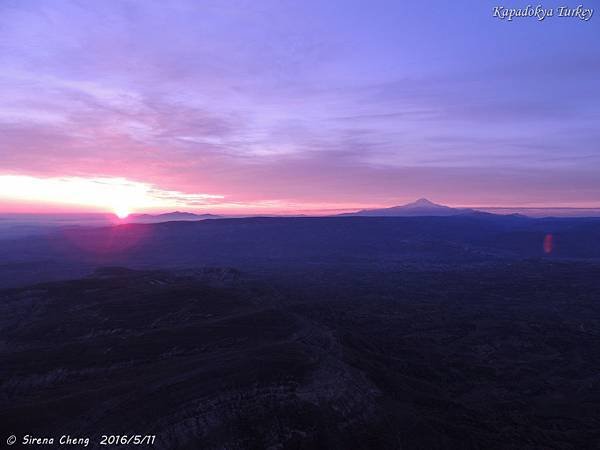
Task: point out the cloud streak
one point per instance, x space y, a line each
286 104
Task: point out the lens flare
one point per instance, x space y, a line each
548 243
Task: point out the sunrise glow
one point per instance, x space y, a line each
115 194
121 211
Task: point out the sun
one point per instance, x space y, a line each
121 211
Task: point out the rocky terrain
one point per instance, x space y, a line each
482 356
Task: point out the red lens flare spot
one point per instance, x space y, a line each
548 243
106 242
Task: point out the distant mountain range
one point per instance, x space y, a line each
167 217
421 207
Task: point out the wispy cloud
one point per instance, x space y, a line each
290 103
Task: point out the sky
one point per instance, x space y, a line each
294 106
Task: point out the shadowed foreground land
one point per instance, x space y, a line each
276 245
502 355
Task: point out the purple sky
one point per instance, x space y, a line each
304 105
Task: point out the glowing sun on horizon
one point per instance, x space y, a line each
121 211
